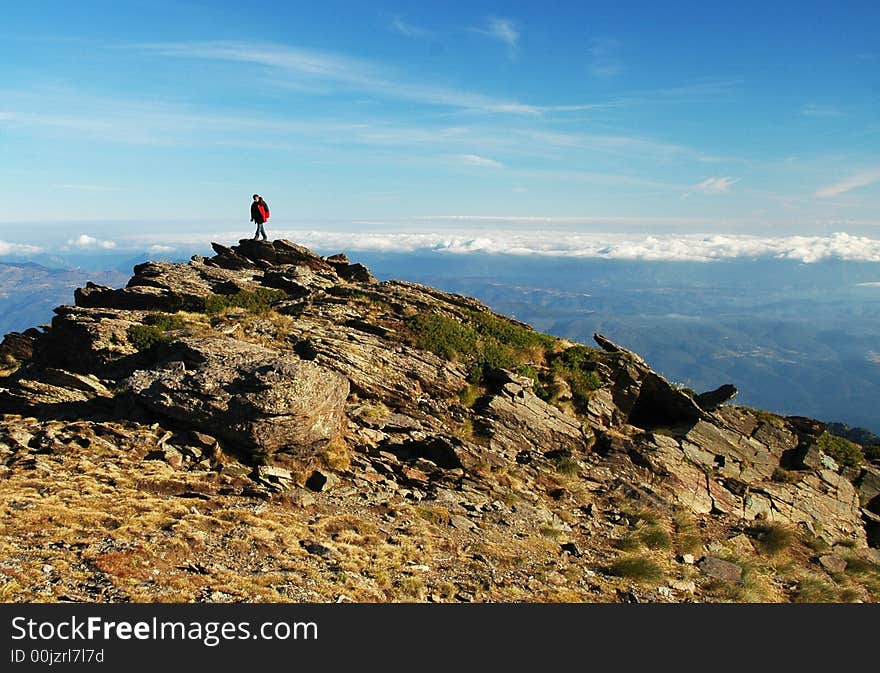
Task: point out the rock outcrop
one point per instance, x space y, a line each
257 398
391 417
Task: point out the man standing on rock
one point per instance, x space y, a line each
259 214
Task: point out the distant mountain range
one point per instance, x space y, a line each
29 292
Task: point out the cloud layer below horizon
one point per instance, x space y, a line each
652 247
642 247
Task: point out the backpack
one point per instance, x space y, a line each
265 208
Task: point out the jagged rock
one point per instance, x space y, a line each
608 345
266 400
660 404
824 501
811 456
729 454
868 483
228 258
283 280
18 346
516 418
645 398
692 484
713 399
602 411
138 298
686 586
90 341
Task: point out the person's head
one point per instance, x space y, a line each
256 197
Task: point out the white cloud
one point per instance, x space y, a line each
18 249
863 179
715 185
160 248
339 71
605 59
477 160
409 30
532 238
503 30
86 242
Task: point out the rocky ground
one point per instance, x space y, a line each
271 425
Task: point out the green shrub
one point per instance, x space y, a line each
656 537
153 330
469 395
483 342
638 568
842 450
444 336
508 332
165 321
816 590
576 365
145 337
253 301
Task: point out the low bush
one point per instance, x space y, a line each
774 538
483 342
638 568
576 365
253 301
842 450
145 337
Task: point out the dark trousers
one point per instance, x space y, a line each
260 232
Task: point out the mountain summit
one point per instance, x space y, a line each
268 424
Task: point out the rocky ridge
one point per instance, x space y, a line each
270 424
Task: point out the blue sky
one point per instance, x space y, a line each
748 117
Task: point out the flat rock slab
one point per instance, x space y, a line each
721 569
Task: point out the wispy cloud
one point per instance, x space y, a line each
409 30
863 179
18 249
86 242
605 58
715 185
503 30
818 110
477 160
339 71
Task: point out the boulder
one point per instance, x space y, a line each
721 569
261 399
